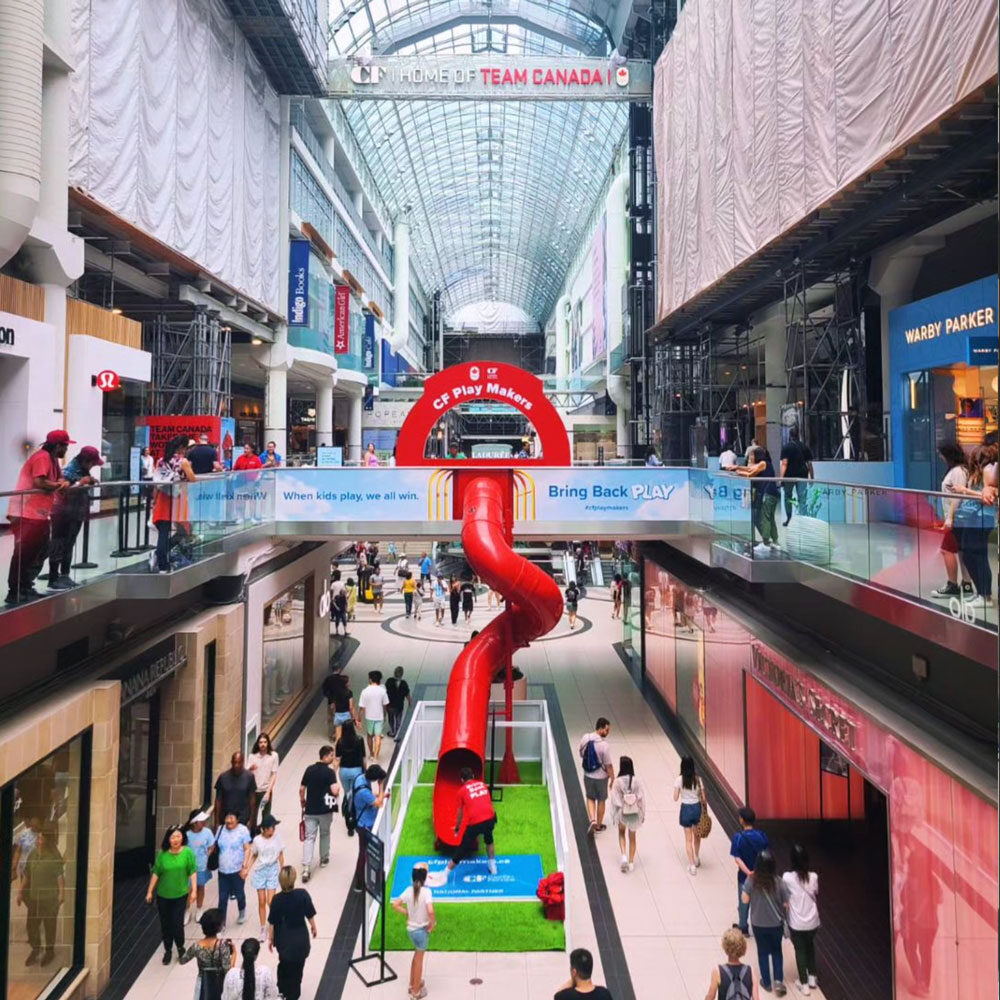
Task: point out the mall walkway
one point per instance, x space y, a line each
669 921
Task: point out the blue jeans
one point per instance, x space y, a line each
231 885
742 908
769 947
348 775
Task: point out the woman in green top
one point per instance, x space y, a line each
173 882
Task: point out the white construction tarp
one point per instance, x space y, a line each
765 109
174 126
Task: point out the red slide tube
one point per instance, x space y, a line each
533 607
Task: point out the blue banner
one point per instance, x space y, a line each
368 357
517 877
608 494
983 351
298 283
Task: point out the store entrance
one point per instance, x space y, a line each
138 763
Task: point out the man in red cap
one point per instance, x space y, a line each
28 513
69 511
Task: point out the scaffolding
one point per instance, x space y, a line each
825 361
192 364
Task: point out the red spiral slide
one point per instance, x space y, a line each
533 607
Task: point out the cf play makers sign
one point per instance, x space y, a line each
485 78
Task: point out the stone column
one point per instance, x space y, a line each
324 412
401 285
354 430
276 393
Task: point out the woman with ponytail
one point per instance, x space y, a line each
416 904
253 981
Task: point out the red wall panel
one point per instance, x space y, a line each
724 700
834 795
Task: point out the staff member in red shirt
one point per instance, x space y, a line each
248 460
29 514
476 808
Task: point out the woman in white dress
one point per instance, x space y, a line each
253 981
628 810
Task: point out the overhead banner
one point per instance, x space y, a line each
369 360
341 320
298 283
427 494
488 78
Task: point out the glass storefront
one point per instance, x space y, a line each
283 654
45 828
123 408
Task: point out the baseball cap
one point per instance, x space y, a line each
58 437
270 821
90 454
202 817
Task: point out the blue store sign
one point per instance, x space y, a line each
955 327
298 283
368 344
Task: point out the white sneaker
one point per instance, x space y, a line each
974 602
152 561
242 918
697 862
631 866
813 983
761 549
263 935
803 988
692 870
197 915
624 863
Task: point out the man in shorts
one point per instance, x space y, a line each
371 707
476 808
440 593
598 772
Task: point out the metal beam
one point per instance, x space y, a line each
230 317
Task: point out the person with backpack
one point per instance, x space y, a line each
349 757
689 789
628 809
746 844
734 980
572 602
767 896
399 697
598 772
803 916
213 956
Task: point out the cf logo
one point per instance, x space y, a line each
367 74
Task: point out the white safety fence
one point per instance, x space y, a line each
421 742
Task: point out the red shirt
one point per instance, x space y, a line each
474 798
35 506
247 462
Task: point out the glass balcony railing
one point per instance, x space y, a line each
892 540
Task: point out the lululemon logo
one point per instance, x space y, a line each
107 381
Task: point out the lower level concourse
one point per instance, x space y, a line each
896 812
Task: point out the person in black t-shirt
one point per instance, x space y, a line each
468 592
796 463
318 793
399 695
203 457
350 755
581 968
234 792
763 499
339 702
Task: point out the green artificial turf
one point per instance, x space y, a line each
529 770
523 827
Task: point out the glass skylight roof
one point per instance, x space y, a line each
497 194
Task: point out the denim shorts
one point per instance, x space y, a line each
420 938
339 718
690 813
265 876
204 877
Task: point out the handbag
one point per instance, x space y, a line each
302 827
213 854
779 914
704 825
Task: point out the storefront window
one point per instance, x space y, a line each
122 408
284 652
42 823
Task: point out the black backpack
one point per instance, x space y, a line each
735 985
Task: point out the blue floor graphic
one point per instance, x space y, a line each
517 877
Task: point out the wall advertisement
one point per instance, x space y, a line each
598 296
341 319
298 283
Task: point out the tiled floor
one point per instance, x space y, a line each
669 921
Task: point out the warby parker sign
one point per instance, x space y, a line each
489 78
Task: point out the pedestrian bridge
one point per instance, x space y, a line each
874 546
